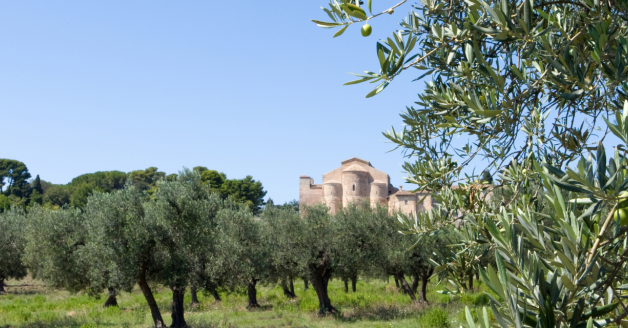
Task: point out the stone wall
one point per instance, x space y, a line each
309 193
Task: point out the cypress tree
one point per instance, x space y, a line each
37 194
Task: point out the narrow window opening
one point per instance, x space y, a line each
353 187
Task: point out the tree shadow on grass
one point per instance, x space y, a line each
26 290
64 322
262 308
382 312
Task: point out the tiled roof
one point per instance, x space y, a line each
354 168
403 193
356 159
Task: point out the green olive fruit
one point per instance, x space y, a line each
623 215
623 202
366 30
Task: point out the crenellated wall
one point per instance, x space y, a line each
309 193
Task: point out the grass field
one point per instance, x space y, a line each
375 304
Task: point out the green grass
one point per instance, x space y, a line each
375 304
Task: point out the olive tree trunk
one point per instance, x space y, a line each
405 286
471 281
292 287
354 282
2 290
178 319
111 299
286 290
320 279
194 294
306 284
425 278
396 282
346 282
211 288
415 283
252 291
150 299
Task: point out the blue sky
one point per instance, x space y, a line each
243 87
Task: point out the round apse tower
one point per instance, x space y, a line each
332 194
379 193
355 185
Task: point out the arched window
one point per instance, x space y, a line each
354 187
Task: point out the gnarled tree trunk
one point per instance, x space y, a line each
252 291
286 290
396 282
405 286
306 284
111 299
212 290
194 294
346 282
292 287
471 281
425 278
178 319
150 299
320 279
2 290
415 282
354 282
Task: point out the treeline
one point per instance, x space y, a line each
185 236
18 189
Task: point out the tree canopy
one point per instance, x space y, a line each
12 246
14 177
519 79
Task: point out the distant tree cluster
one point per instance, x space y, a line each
184 235
18 189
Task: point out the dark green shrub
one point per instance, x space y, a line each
434 317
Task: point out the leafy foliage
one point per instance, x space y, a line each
499 70
14 175
53 250
12 246
526 83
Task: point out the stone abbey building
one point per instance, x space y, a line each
356 181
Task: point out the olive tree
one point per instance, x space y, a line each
53 251
317 252
396 256
184 211
358 240
12 246
242 255
124 240
283 231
